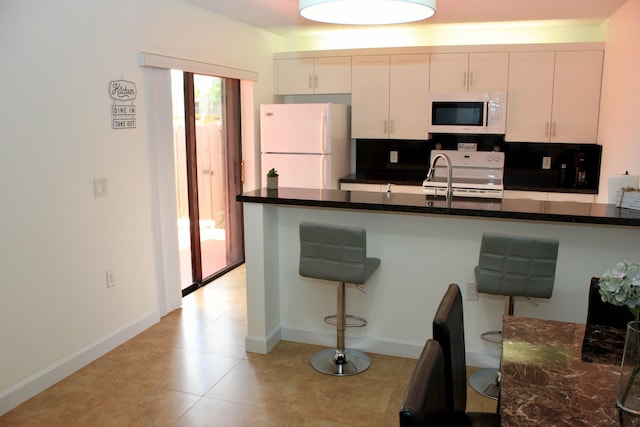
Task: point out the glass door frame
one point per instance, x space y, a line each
234 231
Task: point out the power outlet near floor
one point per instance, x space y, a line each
472 292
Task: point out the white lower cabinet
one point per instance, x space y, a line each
406 189
527 195
508 194
571 197
549 196
353 186
381 188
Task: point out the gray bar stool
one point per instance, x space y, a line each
511 266
338 254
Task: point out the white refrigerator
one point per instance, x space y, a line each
308 144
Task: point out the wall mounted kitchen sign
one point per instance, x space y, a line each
123 112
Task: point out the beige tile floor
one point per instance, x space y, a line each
191 370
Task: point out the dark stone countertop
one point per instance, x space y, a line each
516 209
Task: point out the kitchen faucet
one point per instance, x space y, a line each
432 169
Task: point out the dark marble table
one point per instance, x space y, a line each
548 380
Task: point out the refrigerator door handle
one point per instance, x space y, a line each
324 175
323 132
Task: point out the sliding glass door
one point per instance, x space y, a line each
206 112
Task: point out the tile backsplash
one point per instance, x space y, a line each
553 166
528 166
404 160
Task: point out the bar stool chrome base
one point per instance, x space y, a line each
486 382
340 363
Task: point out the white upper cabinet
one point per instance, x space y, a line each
530 96
576 96
409 96
554 96
469 72
313 75
370 97
488 72
448 72
390 96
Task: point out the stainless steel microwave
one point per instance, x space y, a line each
468 112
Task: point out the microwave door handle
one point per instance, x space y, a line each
486 114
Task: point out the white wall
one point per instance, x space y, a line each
57 240
619 127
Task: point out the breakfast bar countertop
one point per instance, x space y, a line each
524 209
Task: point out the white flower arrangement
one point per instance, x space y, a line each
621 286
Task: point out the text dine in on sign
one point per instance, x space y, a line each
122 110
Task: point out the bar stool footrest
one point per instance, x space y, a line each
492 336
356 321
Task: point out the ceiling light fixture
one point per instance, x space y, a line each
367 12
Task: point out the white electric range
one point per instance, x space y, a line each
474 174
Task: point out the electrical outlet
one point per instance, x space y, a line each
546 162
393 157
111 282
472 292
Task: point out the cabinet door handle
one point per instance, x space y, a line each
392 126
385 127
464 79
470 78
310 81
317 81
553 129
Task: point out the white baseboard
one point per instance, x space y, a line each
256 344
40 381
379 345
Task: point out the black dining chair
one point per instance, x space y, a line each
605 331
603 313
448 330
424 400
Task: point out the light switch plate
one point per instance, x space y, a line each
99 187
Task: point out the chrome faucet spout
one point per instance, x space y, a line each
432 169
